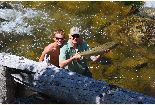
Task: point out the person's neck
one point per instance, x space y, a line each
74 45
56 45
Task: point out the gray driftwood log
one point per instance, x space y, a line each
69 87
7 86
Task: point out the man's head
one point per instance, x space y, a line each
74 35
59 36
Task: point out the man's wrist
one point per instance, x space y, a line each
72 58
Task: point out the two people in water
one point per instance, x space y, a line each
65 54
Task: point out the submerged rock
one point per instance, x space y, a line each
134 30
147 12
5 5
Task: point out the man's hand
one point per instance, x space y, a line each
77 56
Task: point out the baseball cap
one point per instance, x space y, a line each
74 30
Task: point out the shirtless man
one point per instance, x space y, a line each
53 50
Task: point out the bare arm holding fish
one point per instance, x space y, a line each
63 63
98 57
94 54
74 53
77 56
99 50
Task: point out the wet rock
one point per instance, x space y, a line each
7 92
136 63
152 41
147 12
5 5
2 20
139 66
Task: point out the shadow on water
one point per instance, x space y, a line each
105 61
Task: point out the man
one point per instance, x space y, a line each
53 50
69 54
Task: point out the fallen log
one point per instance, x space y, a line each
70 87
7 87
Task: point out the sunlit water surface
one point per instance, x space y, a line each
26 31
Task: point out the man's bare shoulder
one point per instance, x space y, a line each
49 47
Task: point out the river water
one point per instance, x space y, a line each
149 4
26 30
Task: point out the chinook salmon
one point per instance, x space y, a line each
99 49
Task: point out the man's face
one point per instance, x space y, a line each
59 39
75 38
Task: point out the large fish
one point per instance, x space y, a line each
99 49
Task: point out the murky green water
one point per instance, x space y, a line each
130 65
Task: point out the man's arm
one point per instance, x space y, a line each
63 63
95 58
98 57
46 51
41 57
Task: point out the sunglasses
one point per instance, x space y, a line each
59 38
76 36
